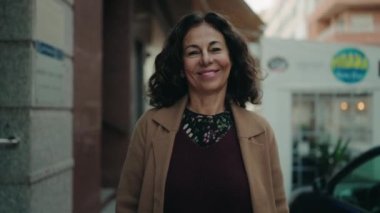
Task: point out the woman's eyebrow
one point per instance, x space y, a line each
196 46
214 42
191 46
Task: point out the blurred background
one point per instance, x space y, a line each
73 77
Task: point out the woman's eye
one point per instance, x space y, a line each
191 53
216 49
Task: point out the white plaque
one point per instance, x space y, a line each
52 81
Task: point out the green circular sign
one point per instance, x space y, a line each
349 65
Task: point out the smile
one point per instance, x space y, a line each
208 73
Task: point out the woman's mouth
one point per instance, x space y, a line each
208 73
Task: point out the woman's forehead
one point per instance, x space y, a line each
202 33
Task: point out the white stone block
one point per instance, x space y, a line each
53 194
52 80
54 24
51 142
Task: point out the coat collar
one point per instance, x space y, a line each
170 117
248 124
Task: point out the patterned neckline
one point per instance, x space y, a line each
206 130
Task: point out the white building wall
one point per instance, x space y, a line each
309 69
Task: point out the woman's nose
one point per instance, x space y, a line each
206 58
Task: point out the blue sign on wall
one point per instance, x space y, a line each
350 65
48 50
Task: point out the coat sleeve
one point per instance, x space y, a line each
128 192
277 178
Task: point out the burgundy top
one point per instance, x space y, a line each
207 180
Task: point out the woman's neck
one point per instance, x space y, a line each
206 104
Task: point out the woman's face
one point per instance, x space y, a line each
206 59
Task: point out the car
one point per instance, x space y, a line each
355 188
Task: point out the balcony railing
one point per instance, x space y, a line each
332 30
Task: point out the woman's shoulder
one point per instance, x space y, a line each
145 122
252 123
147 115
157 115
256 116
250 117
166 117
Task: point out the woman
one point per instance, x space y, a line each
198 149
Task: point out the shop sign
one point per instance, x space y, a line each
278 64
349 65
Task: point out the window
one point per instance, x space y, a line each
340 24
362 23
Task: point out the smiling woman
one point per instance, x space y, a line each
199 149
206 65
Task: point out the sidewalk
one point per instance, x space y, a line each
108 200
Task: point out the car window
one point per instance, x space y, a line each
361 187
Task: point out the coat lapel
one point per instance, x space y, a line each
250 130
169 120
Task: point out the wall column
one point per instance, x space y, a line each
88 52
36 105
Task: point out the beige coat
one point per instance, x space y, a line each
143 177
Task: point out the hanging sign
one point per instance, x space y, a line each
349 65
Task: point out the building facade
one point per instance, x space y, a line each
325 20
288 19
346 21
322 100
318 95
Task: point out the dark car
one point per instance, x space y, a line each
355 188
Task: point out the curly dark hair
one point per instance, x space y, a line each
166 86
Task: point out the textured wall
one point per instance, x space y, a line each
35 105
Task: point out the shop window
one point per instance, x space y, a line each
327 129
